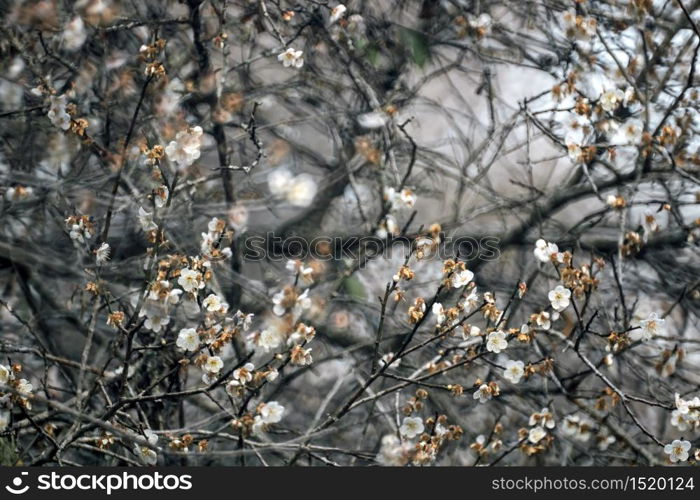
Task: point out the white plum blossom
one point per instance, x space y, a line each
536 435
544 418
243 320
461 278
157 303
482 23
74 34
188 339
291 58
577 427
653 326
146 454
611 99
474 331
514 371
244 374
373 119
393 452
439 312
185 149
102 253
543 320
387 226
336 13
483 393
677 450
298 190
268 339
405 198
213 364
5 375
496 342
411 427
560 298
389 358
24 387
160 195
190 280
213 303
57 112
271 412
544 250
146 220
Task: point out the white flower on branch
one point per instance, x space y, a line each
496 342
336 13
298 190
74 35
188 339
514 371
560 298
677 450
544 250
291 58
653 326
411 427
102 253
185 149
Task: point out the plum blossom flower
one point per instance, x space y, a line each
439 312
291 58
188 339
24 387
373 119
514 371
146 454
190 280
74 34
146 220
244 374
461 278
405 198
393 452
411 427
577 427
5 375
102 253
536 434
298 190
543 320
57 114
544 250
483 393
653 326
185 149
611 99
268 339
271 412
336 13
677 450
544 418
496 342
559 298
213 303
213 364
157 303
